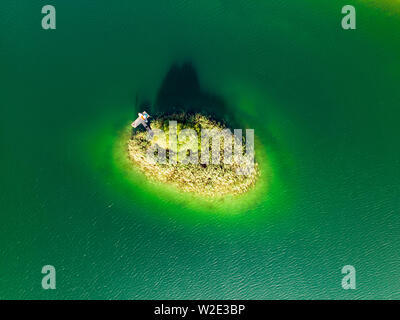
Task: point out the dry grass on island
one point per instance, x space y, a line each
212 180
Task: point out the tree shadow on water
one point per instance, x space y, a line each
180 91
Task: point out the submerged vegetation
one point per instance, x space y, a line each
211 179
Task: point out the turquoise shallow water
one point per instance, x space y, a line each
324 106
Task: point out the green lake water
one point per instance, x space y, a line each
324 104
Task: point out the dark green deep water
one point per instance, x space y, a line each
324 104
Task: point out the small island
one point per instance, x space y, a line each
212 180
